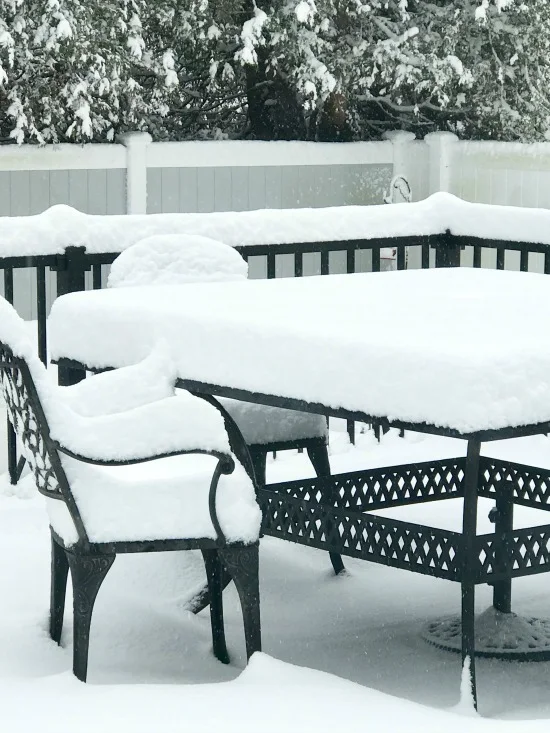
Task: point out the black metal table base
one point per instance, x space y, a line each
498 635
337 514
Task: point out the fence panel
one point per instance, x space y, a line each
239 188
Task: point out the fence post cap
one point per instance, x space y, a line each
399 137
130 139
440 138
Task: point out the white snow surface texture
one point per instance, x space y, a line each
458 347
129 414
61 226
170 259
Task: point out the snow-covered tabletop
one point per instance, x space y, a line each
456 348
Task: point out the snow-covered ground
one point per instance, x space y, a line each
339 653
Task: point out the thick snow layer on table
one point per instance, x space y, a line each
60 226
458 348
176 259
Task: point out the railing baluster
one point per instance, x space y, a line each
547 263
477 255
350 260
271 265
96 277
524 260
376 259
298 264
41 312
324 262
425 257
500 258
8 284
401 257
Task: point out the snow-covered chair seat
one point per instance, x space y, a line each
87 445
188 258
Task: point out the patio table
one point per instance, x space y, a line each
454 352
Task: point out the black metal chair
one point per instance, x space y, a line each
80 540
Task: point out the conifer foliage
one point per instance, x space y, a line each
67 69
83 70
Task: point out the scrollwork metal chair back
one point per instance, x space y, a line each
28 420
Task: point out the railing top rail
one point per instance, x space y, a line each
445 240
329 228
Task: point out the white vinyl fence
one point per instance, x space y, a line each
137 176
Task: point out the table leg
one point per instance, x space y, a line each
504 523
469 530
318 455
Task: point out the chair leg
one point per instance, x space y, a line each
215 590
58 588
318 455
242 563
87 573
259 461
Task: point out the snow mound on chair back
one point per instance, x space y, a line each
172 259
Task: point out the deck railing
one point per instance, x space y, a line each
71 268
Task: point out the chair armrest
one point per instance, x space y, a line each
178 424
224 457
237 442
123 389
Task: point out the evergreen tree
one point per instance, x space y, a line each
193 41
358 67
79 70
67 69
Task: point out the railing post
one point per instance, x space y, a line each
447 250
71 278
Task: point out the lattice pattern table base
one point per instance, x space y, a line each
498 635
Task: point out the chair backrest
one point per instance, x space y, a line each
176 259
28 420
27 391
20 369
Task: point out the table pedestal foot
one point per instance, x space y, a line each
499 635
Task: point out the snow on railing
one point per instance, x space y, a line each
61 226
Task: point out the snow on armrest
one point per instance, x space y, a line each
123 389
175 424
